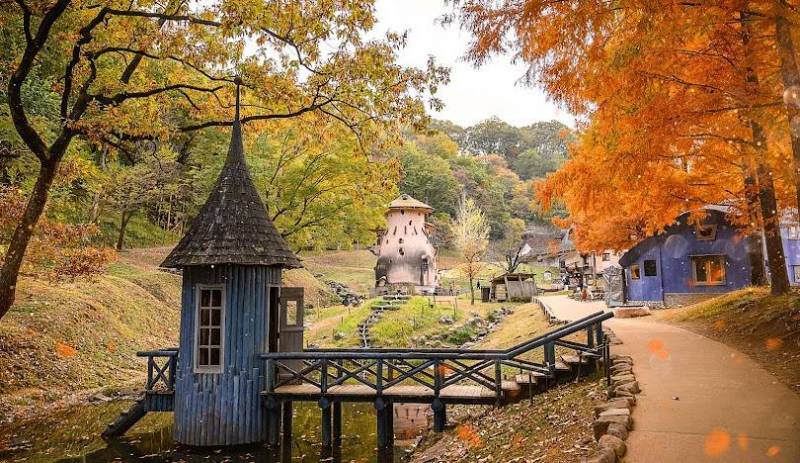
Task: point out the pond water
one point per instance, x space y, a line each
74 436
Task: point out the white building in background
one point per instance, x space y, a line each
406 256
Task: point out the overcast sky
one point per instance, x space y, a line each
472 94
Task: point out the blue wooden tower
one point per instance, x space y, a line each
232 258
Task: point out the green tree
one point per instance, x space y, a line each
140 70
471 237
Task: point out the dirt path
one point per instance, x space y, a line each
701 400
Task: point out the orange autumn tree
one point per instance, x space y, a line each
682 107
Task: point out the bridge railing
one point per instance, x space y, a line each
161 367
378 369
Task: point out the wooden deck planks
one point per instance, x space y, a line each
397 393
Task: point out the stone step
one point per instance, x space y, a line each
530 378
574 359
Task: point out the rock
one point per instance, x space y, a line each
614 443
618 430
617 357
446 320
600 425
602 455
632 388
622 377
612 404
622 394
615 412
338 335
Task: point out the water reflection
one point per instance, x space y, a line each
73 436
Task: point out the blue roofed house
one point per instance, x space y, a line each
688 262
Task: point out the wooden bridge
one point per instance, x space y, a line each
385 376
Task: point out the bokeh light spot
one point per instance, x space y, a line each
774 343
743 441
717 442
773 451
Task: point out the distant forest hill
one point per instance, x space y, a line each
320 190
492 162
531 152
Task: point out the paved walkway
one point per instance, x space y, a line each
701 400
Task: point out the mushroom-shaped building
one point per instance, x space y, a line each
406 257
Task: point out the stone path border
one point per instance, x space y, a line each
613 418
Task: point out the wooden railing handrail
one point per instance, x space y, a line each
167 352
426 353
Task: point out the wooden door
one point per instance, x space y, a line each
290 337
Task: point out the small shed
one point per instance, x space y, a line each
513 287
233 309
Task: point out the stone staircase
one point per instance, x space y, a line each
387 302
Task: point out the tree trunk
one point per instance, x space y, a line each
755 239
779 279
471 291
12 262
776 262
790 74
123 223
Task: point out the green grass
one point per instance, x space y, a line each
140 232
338 319
416 318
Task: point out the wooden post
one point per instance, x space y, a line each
273 421
439 415
287 423
439 411
325 406
381 410
337 423
390 423
498 382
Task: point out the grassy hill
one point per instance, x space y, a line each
354 268
66 337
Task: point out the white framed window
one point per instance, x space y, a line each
793 232
209 329
796 273
606 256
708 270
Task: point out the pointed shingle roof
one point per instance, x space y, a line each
232 227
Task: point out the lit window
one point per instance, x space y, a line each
650 268
635 275
210 320
708 270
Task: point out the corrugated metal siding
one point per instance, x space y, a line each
225 409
